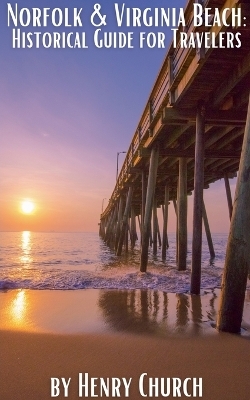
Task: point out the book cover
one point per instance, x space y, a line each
124 199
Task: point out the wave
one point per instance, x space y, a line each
163 279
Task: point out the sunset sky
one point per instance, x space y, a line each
64 115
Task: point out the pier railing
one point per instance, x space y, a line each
176 60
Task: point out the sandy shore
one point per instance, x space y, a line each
30 356
28 361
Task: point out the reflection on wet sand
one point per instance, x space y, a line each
145 311
16 310
18 306
182 318
148 312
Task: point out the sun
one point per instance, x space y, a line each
27 206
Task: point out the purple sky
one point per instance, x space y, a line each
64 114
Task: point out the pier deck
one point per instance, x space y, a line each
219 77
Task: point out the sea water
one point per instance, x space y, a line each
39 260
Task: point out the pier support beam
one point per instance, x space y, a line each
177 223
124 226
198 199
175 206
165 223
208 232
108 228
155 227
176 235
126 238
102 228
139 223
112 230
238 247
119 221
158 232
151 235
143 199
133 233
229 196
182 215
148 207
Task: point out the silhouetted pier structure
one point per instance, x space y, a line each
190 135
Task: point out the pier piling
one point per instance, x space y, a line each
119 221
158 232
229 196
182 215
133 233
143 198
208 232
124 226
165 222
148 206
198 199
155 227
237 260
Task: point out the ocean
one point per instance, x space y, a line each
72 261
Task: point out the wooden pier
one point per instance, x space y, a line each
189 136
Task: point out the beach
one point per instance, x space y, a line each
45 335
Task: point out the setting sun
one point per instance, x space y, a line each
27 207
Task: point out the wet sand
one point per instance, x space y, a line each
120 334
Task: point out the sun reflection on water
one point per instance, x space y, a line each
26 258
